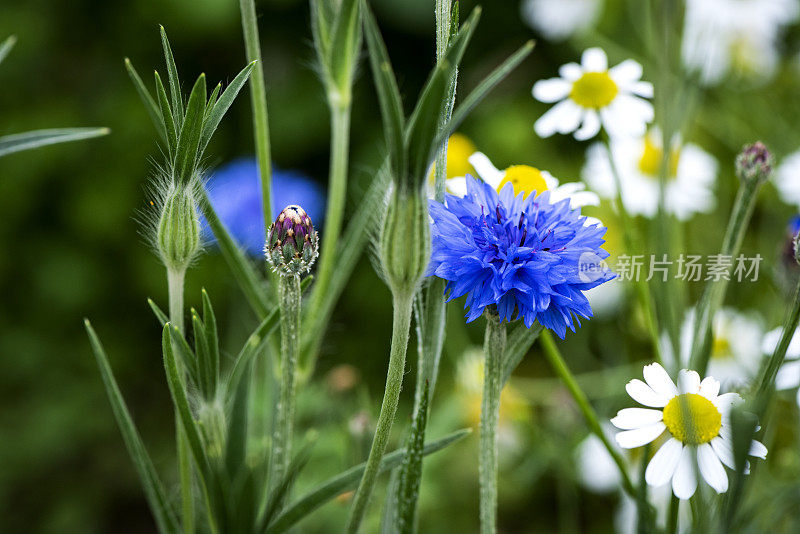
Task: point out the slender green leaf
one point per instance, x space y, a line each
236 442
322 16
38 138
519 342
153 488
160 315
174 81
166 117
212 100
149 103
423 125
212 338
411 473
178 392
485 87
243 271
388 93
278 496
186 155
348 480
6 46
345 42
188 358
203 357
225 101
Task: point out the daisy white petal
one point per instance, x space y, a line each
486 169
688 381
758 449
658 379
570 118
643 89
632 418
457 186
594 60
710 467
684 483
630 439
570 71
788 376
590 127
552 90
662 467
644 394
709 388
724 451
725 401
627 72
550 122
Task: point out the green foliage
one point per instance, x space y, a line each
411 472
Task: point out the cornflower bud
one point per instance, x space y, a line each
292 244
178 228
405 242
754 163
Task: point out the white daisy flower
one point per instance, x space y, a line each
735 347
705 437
525 179
559 19
789 374
693 173
590 95
786 179
721 36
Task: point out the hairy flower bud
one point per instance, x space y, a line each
405 244
292 244
178 228
754 163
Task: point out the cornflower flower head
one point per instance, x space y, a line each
528 256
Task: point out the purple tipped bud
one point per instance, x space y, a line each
292 243
754 163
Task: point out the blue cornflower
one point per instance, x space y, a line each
531 258
235 193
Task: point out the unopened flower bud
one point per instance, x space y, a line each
754 163
178 229
405 240
292 244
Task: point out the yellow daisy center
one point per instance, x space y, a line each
650 162
524 179
594 90
721 348
692 419
459 149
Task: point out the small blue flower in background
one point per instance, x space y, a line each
530 258
235 193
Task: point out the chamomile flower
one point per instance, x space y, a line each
557 20
528 256
692 175
526 179
786 179
739 36
735 347
697 419
788 377
590 95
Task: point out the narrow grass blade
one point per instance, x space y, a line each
345 41
348 480
172 76
189 137
166 116
236 443
150 104
160 315
222 105
38 138
212 338
411 473
246 276
153 488
187 356
212 101
203 357
6 46
388 93
279 495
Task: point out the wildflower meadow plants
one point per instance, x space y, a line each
517 247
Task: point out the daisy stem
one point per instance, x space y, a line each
258 100
714 291
672 514
175 279
631 242
403 304
289 291
494 347
560 367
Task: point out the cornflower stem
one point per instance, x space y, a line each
560 367
175 279
494 347
337 192
403 304
631 241
714 291
258 100
289 293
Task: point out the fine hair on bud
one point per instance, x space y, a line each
292 243
405 247
171 222
755 163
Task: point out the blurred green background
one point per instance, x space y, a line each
70 247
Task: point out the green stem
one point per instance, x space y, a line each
337 192
714 291
494 347
258 100
560 367
290 338
672 515
175 279
394 382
